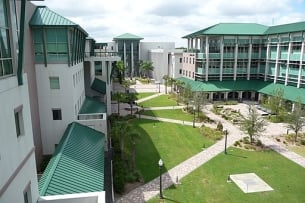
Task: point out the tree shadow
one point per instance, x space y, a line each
236 155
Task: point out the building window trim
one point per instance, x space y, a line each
19 122
56 114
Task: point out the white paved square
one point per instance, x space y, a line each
250 182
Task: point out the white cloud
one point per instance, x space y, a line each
169 20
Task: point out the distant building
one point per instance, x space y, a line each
246 60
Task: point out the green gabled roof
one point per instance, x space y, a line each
286 28
43 16
231 29
77 165
99 85
290 92
92 105
128 36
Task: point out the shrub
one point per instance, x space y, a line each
219 126
211 133
302 142
237 143
118 177
278 139
259 143
246 140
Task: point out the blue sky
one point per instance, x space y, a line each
160 20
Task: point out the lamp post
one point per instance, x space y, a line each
160 163
194 108
226 136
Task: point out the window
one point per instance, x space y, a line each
180 60
27 196
54 83
19 121
56 114
180 71
6 67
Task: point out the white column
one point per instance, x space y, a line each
221 59
252 95
196 43
116 46
288 59
301 63
277 62
125 55
226 96
207 58
235 61
249 61
201 45
267 61
240 95
132 62
173 65
211 96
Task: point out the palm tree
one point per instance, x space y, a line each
166 79
120 67
119 97
145 67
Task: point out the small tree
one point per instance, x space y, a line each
166 80
120 67
119 97
200 99
145 67
171 82
126 84
253 125
297 120
275 101
187 93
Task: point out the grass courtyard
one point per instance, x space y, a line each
174 143
141 95
208 183
177 114
159 101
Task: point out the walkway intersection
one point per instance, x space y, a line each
149 190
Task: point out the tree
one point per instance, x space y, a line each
179 84
187 94
119 97
126 84
120 67
200 99
253 125
171 82
297 120
145 67
275 101
166 80
119 131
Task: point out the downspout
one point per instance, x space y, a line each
21 43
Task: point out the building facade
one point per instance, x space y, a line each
18 179
248 51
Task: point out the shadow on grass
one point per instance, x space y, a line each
236 155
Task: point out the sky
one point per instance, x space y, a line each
170 20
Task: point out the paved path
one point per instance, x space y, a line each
149 97
171 120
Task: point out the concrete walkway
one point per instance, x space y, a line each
171 120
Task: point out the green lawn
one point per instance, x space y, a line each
172 142
140 95
208 183
177 114
159 101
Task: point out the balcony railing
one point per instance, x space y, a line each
100 54
201 56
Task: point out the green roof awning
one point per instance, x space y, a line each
77 165
128 36
43 16
92 105
290 92
99 85
286 28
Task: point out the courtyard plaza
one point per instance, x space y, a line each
151 189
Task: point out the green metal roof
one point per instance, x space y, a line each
286 28
43 16
99 85
290 92
231 29
77 165
92 105
128 36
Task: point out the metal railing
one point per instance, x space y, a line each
100 54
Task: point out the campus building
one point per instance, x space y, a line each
18 179
246 60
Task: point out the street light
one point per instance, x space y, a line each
226 136
194 108
160 163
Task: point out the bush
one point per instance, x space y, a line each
246 140
118 176
219 126
259 143
237 143
278 139
302 142
211 133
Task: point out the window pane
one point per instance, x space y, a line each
56 114
38 36
3 16
4 44
17 123
51 35
54 83
62 48
61 35
8 68
51 48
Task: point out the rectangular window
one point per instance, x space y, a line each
54 83
27 195
56 114
19 121
180 71
180 60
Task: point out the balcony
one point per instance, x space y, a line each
102 56
228 55
201 56
295 56
242 55
214 55
255 56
